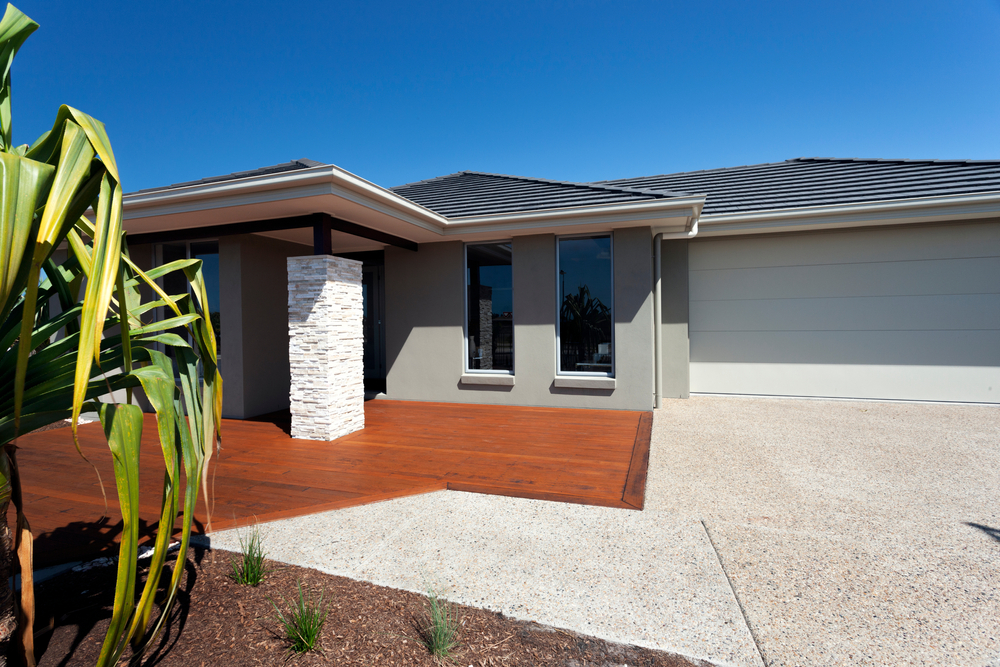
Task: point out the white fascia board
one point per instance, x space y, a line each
689 231
897 212
324 180
677 213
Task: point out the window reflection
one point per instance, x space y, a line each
489 305
586 305
208 253
174 283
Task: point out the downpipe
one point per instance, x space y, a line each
657 321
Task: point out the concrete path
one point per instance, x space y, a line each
850 533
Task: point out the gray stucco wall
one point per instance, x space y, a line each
253 295
425 292
905 312
674 316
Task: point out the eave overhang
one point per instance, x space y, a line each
871 214
335 191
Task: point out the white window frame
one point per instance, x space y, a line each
465 309
559 370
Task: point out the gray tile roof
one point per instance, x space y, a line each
778 185
470 193
294 165
823 181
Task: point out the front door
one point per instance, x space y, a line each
373 298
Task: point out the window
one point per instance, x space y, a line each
489 316
586 305
175 282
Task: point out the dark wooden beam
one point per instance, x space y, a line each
338 225
322 240
273 225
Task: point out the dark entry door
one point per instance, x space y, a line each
373 297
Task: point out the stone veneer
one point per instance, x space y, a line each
325 347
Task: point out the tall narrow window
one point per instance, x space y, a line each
208 253
489 308
586 306
174 283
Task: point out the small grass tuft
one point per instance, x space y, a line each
304 622
439 630
248 568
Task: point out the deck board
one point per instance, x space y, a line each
595 457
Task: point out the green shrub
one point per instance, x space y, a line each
304 622
439 631
248 568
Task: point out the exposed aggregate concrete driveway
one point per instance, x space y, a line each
851 533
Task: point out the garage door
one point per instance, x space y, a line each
894 313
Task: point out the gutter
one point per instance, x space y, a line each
836 216
649 212
314 181
332 180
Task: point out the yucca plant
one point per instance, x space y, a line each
64 192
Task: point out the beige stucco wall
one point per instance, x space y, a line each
253 296
425 292
893 312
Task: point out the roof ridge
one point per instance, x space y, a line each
659 194
267 170
309 163
699 171
798 160
431 180
890 160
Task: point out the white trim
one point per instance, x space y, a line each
841 399
683 209
668 233
330 180
250 191
465 308
493 379
559 371
898 212
590 382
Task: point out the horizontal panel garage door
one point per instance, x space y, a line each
898 313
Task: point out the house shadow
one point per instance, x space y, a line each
282 419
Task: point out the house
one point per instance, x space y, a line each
833 278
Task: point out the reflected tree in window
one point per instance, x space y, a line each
585 331
489 305
586 308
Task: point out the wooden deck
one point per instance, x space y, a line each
595 457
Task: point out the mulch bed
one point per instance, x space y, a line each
219 622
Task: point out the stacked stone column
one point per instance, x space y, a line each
325 347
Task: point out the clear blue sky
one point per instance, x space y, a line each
397 92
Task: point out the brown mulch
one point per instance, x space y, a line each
219 622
